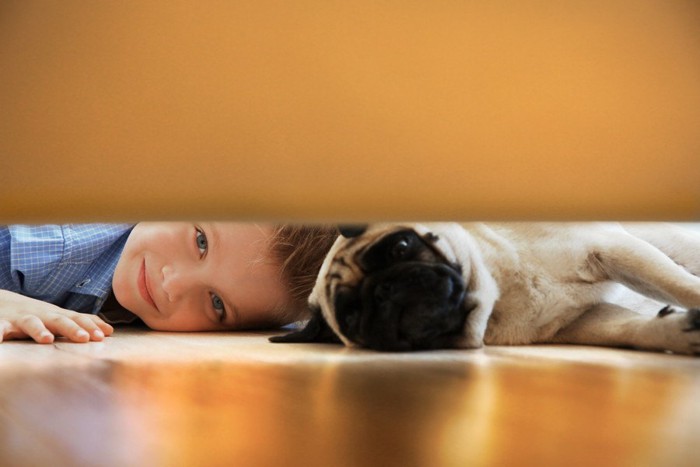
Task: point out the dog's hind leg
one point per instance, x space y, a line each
614 326
639 265
681 244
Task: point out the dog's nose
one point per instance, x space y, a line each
412 306
383 292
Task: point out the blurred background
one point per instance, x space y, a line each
334 110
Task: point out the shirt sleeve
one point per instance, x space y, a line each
30 255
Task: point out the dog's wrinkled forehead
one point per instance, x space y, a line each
344 263
343 258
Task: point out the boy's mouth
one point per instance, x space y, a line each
143 287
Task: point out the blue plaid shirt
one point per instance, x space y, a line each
68 265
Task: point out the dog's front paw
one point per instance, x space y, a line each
681 330
692 327
692 320
676 331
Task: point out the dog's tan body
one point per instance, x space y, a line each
553 283
559 284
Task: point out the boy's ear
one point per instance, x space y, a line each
316 330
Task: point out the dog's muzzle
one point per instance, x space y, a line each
408 306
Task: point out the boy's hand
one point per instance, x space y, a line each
23 317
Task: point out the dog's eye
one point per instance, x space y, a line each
400 248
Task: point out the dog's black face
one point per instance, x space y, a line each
409 297
395 293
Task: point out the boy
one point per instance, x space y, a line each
72 280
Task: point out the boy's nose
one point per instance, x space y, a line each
176 282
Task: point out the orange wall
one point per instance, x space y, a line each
349 110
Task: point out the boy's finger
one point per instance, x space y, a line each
66 327
92 328
5 327
106 328
93 324
34 328
9 331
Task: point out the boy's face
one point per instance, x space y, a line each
199 277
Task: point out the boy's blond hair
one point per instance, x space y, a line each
300 250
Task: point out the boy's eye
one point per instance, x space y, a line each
219 307
201 240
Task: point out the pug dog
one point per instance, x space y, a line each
404 287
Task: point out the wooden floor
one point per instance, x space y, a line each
162 399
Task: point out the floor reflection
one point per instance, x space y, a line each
348 413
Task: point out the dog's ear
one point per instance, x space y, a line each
316 330
349 231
